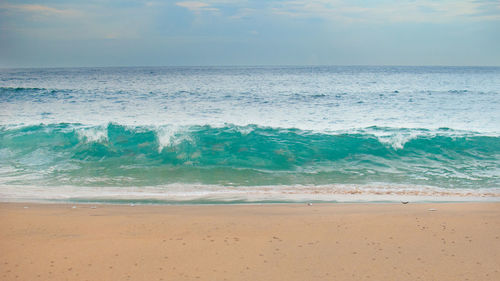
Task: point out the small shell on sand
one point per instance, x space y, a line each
431 210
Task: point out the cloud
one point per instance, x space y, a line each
40 10
243 13
393 11
197 7
78 21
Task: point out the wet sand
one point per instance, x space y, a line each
456 241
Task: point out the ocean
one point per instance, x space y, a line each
212 135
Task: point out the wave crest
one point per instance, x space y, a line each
247 155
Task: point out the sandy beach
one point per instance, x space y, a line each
456 241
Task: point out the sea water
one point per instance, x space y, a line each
250 134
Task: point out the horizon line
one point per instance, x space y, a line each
246 65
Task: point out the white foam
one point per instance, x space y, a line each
93 134
215 193
171 135
398 140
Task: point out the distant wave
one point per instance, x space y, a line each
20 89
10 94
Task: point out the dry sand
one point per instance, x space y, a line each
251 242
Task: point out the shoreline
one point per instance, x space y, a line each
181 194
336 241
194 203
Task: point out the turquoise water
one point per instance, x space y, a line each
204 135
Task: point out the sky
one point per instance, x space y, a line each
58 33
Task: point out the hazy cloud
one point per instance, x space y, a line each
196 7
204 32
397 11
40 9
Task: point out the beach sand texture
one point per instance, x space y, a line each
459 241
